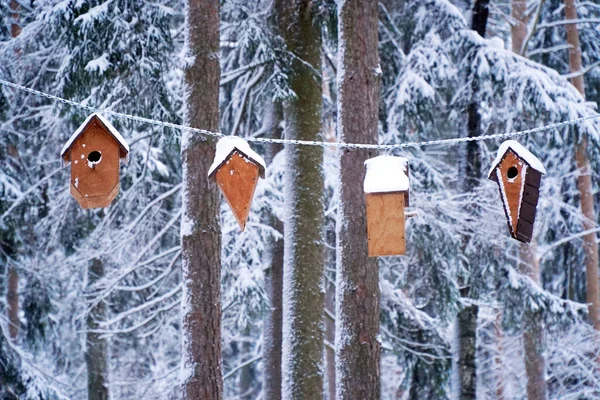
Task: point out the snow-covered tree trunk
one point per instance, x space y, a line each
584 180
302 364
96 350
200 229
533 329
357 277
272 338
467 317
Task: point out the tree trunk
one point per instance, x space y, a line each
467 346
272 338
302 361
584 181
12 289
518 28
357 277
201 376
12 300
533 329
96 352
498 359
330 337
467 317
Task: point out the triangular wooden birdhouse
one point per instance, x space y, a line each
95 151
518 174
386 189
236 169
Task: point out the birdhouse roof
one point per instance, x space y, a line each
386 174
227 145
105 123
520 152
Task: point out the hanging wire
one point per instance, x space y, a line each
305 142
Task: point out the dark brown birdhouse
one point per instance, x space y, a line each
236 169
386 189
94 151
518 174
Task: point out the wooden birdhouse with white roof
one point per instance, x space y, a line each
236 169
518 174
95 151
386 189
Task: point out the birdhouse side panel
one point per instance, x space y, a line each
237 179
510 174
95 165
529 203
385 224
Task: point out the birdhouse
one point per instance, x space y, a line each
236 169
95 151
386 189
518 174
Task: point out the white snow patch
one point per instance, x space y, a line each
113 131
520 151
386 174
496 42
226 145
99 64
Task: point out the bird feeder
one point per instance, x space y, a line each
518 174
95 151
386 189
236 169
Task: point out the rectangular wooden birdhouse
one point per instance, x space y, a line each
236 169
518 174
95 151
386 189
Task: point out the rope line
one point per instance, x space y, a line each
303 142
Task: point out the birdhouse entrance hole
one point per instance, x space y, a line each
512 172
94 157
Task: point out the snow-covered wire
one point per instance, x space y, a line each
205 132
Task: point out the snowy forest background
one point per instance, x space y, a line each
70 276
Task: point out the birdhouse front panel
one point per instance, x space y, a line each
385 223
94 157
237 178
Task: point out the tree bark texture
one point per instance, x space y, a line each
200 229
584 180
467 317
302 361
96 352
273 284
533 330
357 298
467 347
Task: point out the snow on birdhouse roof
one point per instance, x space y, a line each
386 174
111 129
227 145
521 152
